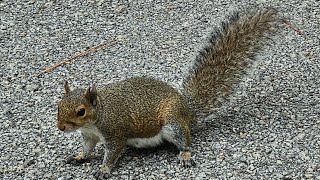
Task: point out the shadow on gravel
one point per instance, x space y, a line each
226 124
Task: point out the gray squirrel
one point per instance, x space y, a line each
142 111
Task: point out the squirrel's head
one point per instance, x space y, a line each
77 108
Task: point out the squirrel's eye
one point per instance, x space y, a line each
81 112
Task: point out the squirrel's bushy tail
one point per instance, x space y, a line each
231 48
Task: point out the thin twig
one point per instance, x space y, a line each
81 54
293 27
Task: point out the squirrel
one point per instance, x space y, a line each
143 111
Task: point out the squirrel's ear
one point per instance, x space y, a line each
66 87
91 95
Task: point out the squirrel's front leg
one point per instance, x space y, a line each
112 151
89 143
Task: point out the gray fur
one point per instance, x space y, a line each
222 63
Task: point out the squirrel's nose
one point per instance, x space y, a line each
61 127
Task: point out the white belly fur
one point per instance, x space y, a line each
92 132
166 133
145 142
156 140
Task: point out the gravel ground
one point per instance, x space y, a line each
269 129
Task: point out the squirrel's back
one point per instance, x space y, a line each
231 48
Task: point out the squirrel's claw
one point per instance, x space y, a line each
186 160
97 174
77 159
103 173
187 163
73 161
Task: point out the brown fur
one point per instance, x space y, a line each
165 109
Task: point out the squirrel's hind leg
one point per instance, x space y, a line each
180 136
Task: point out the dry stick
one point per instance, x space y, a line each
65 61
292 27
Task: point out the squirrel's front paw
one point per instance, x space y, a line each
186 160
103 173
77 159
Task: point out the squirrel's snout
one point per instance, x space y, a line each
61 127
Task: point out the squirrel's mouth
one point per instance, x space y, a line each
67 127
